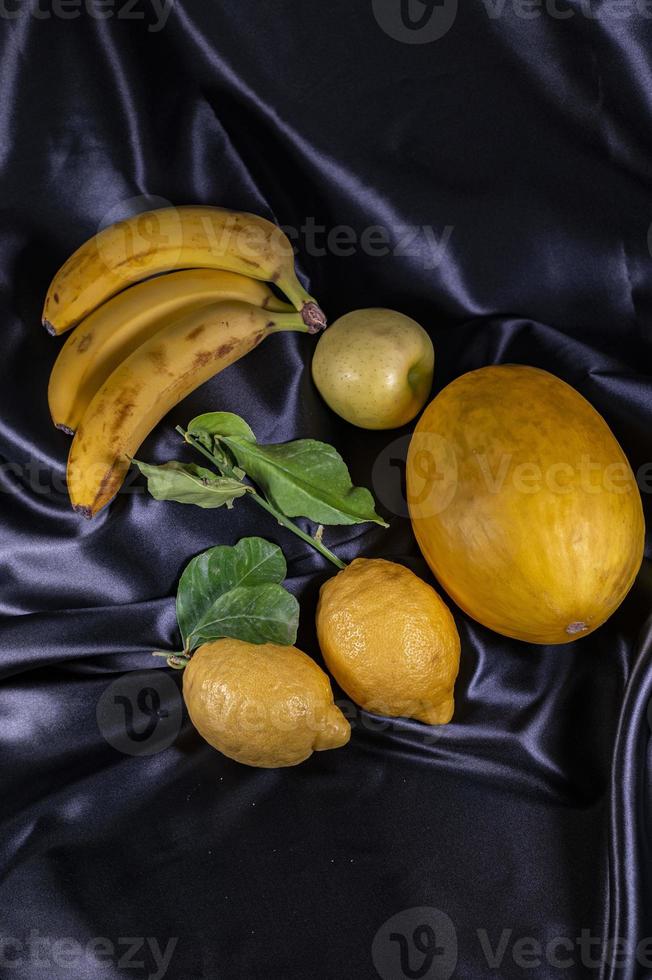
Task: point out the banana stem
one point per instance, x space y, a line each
309 310
226 469
286 321
309 320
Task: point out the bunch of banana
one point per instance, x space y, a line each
160 303
115 329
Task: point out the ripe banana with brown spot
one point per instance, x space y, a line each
99 344
191 237
159 373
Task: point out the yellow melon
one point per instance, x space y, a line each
524 504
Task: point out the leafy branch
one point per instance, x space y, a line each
303 478
229 472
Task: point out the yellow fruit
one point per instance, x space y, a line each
263 705
374 368
192 237
159 373
524 504
389 641
99 344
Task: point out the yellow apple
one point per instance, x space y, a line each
374 368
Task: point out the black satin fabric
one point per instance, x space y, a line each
528 138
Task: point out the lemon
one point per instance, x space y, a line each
389 641
262 704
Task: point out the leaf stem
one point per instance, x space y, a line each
176 660
291 526
227 470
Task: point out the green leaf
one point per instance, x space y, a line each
305 478
237 592
205 428
256 614
190 484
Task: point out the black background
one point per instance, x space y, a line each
529 139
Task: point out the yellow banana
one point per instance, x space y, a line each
153 379
173 238
115 329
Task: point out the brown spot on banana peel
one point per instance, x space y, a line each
202 357
159 360
123 412
225 349
84 343
197 332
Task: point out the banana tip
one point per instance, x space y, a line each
84 512
65 428
313 317
50 329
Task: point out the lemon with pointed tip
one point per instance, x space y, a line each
389 640
262 704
